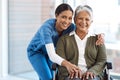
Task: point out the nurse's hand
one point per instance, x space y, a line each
73 70
100 40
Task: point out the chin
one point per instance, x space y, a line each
65 28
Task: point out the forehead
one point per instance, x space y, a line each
83 13
66 12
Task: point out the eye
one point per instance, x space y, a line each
87 19
80 18
64 17
70 18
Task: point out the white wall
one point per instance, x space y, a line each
3 39
16 30
0 39
24 20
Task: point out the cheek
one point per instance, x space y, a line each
89 24
59 19
79 22
70 23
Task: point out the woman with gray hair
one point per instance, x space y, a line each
79 47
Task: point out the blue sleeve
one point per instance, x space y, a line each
46 33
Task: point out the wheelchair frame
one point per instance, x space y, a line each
106 71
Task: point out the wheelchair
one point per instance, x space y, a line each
106 71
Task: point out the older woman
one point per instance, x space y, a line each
79 47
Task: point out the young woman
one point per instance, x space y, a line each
41 49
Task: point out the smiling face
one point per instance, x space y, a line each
64 20
83 21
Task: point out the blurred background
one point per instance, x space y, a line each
20 19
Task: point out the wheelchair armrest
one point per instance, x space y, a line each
54 66
109 65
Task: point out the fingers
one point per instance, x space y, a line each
71 75
84 76
72 69
80 73
91 75
100 40
88 75
102 35
75 73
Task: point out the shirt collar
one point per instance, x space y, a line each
89 33
72 33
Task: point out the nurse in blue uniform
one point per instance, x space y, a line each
41 49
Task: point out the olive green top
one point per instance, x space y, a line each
95 56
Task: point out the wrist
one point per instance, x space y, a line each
64 63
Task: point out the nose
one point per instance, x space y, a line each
68 21
84 21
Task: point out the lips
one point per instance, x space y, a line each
82 25
64 24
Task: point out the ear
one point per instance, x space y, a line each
75 20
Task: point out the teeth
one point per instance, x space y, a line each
64 24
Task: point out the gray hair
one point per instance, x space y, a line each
84 8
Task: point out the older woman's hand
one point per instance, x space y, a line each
88 75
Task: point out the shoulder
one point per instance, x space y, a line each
91 40
48 25
66 37
92 37
49 22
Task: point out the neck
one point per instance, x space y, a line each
81 34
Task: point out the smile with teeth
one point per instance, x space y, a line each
64 24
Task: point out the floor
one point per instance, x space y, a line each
12 78
31 75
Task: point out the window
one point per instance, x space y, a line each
119 2
106 21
